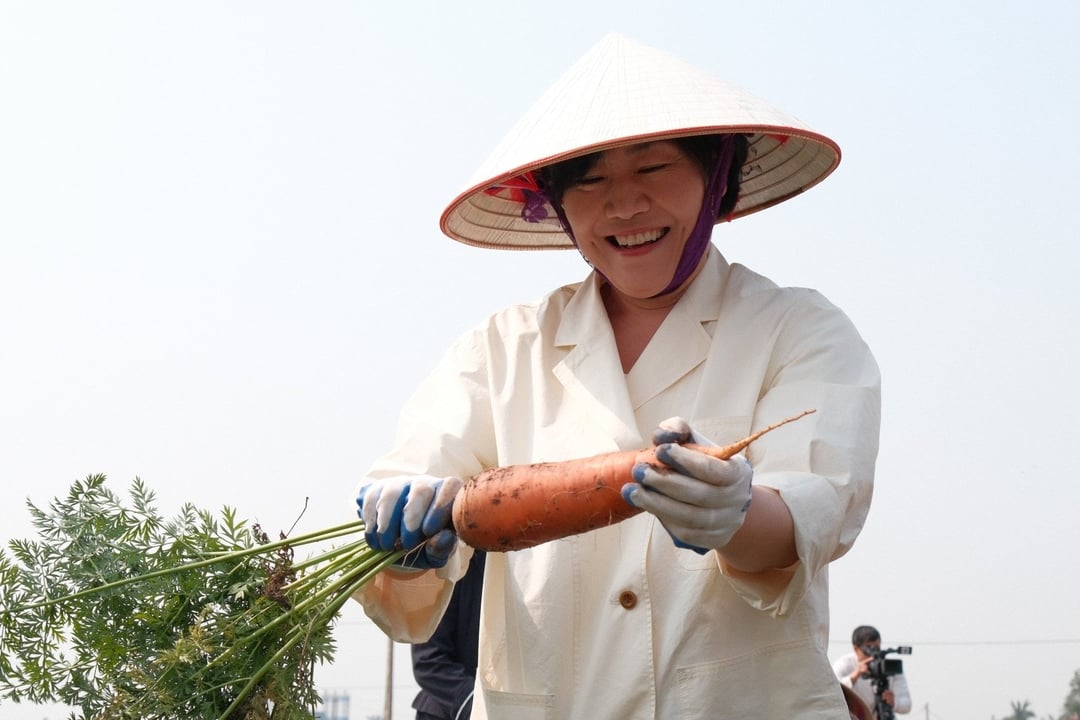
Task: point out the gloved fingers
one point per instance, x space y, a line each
690 526
672 430
650 501
700 500
412 513
381 505
433 553
439 547
440 512
394 510
360 501
420 494
680 487
707 469
671 510
388 512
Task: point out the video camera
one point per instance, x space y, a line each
880 669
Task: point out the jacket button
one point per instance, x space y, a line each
628 599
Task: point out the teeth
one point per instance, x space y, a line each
637 238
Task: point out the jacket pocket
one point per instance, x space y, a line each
517 706
788 681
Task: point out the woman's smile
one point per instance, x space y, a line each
637 239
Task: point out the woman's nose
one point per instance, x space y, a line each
625 200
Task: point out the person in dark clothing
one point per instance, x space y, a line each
445 665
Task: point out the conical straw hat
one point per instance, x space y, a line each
623 92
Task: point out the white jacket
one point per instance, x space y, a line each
619 623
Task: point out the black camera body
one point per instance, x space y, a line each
880 669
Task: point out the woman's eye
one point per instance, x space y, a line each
652 168
590 180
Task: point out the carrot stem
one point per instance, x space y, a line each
726 452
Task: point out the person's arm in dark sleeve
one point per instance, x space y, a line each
445 665
438 670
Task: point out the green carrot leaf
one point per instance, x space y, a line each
123 614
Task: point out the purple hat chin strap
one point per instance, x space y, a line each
559 213
699 238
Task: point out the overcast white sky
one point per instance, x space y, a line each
221 271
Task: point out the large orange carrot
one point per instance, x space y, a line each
519 506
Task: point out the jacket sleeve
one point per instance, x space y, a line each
445 429
901 695
843 669
823 465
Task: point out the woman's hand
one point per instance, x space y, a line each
700 500
412 512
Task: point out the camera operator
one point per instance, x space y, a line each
854 672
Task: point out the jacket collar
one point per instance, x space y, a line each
591 368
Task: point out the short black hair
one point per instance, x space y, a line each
864 634
703 149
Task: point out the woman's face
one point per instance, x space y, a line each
632 213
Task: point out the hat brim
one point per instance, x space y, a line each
623 93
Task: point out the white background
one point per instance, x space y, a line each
221 271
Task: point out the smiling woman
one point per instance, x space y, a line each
642 215
700 603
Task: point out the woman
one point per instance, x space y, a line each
714 602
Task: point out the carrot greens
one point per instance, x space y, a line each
122 613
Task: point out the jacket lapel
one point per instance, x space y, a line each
681 343
591 373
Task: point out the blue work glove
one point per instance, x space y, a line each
700 500
412 513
